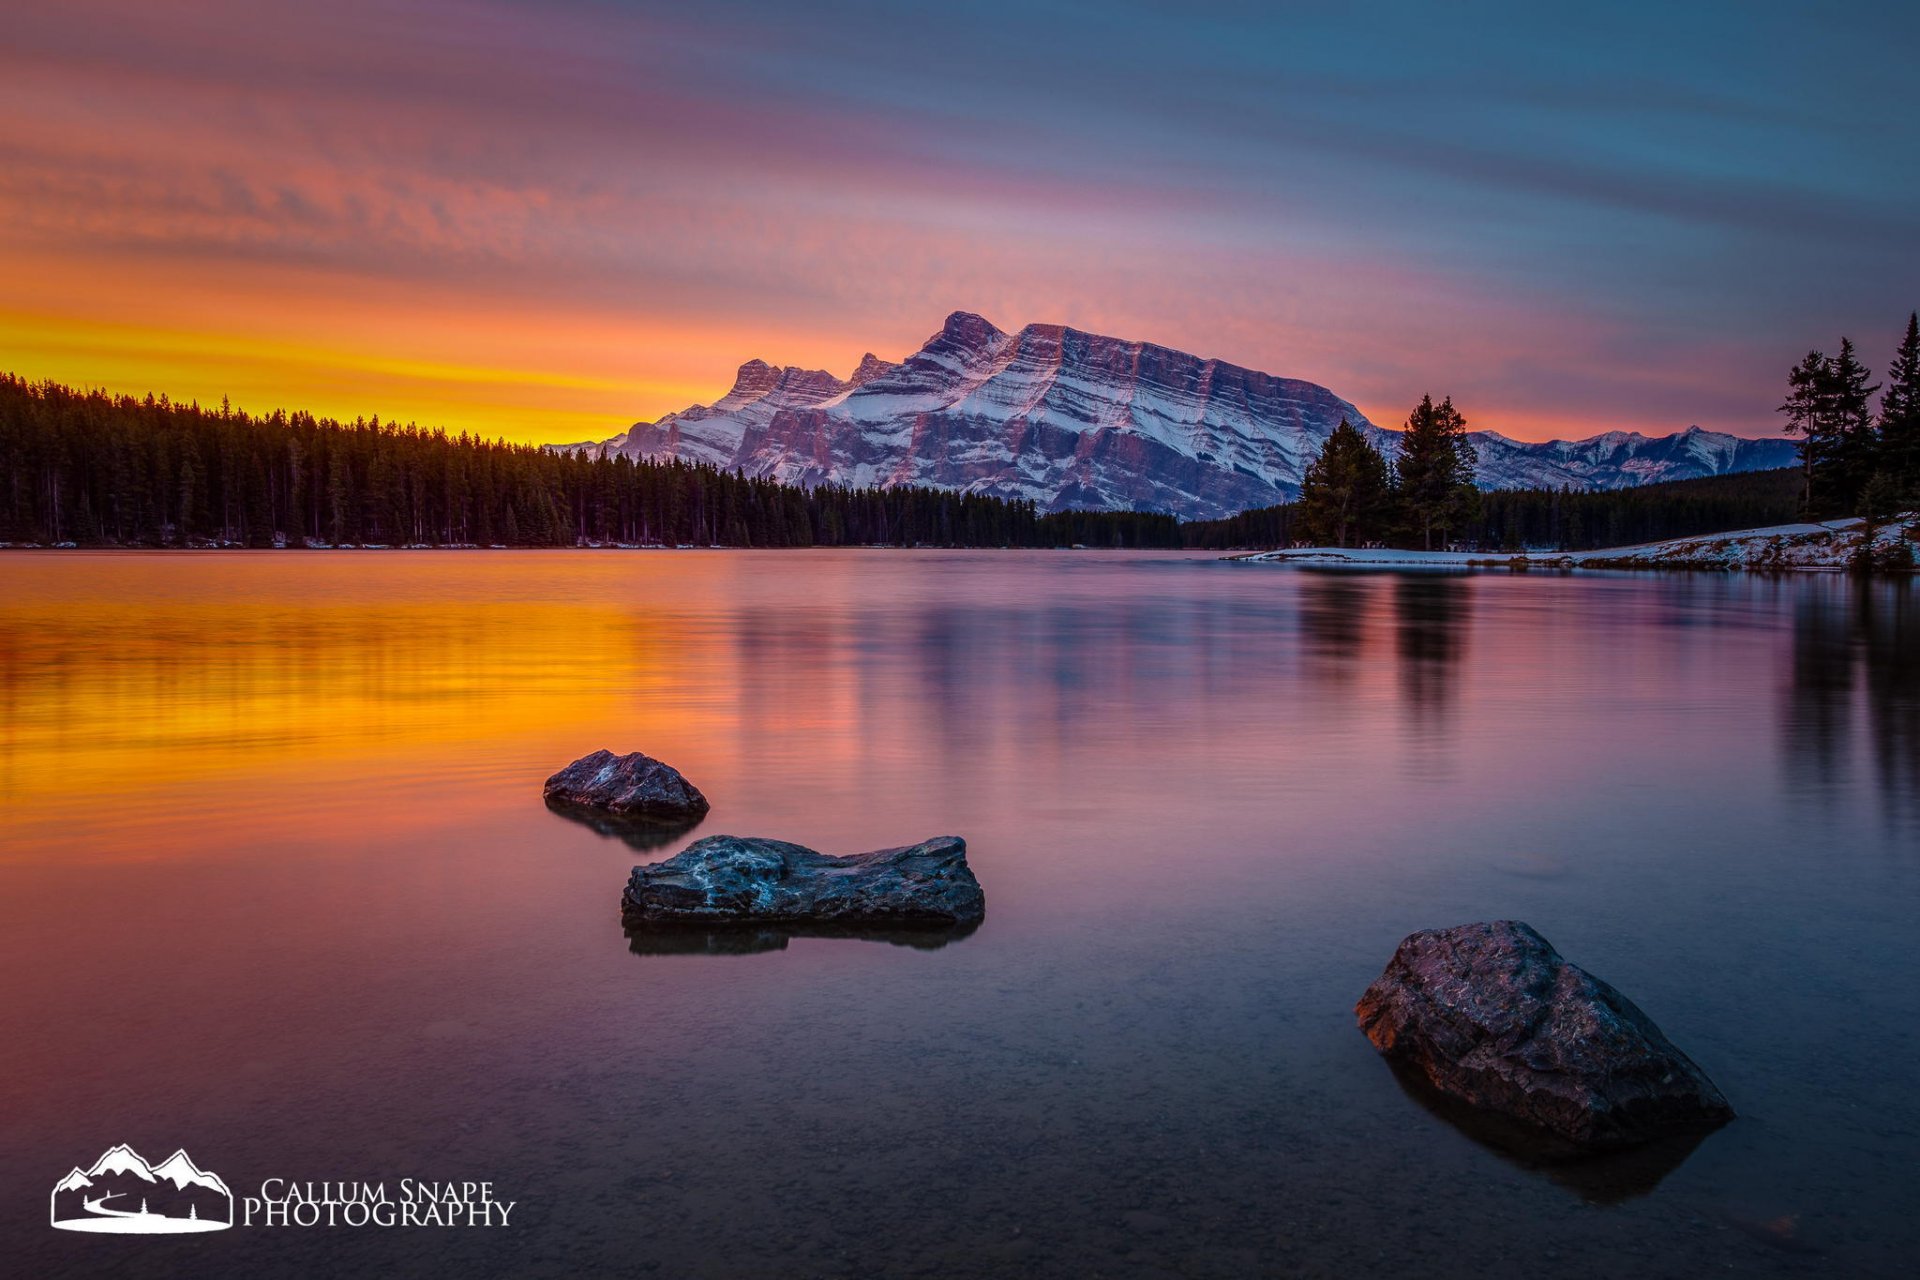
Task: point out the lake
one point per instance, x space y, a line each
277 885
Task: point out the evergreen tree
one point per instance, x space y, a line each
337 499
1857 439
1809 416
1900 416
1434 471
1346 493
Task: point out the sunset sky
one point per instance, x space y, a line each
548 220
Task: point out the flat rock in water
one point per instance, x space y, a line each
633 784
740 878
1491 1015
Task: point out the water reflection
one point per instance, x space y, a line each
1430 625
1203 798
1607 1177
641 834
1856 664
1333 609
751 939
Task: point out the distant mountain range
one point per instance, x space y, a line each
1075 420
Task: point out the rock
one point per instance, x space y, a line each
766 881
633 784
1491 1015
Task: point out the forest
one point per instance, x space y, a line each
1563 519
1856 459
90 469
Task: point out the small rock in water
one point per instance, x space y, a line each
761 881
1490 1014
632 784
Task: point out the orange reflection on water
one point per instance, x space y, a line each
271 687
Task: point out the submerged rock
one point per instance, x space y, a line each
1491 1015
633 784
740 878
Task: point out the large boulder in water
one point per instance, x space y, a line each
634 784
1491 1015
740 878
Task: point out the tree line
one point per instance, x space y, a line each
1856 460
91 469
1562 519
87 468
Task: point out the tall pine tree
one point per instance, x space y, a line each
1435 471
1900 416
1809 393
1345 497
1856 436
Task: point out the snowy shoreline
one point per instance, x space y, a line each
1823 546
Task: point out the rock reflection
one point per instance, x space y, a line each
643 834
1608 1177
751 939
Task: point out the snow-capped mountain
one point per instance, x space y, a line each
1616 459
1076 420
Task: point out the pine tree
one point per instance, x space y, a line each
1435 470
1807 407
1857 440
1345 493
337 528
1900 416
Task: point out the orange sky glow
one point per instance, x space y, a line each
547 223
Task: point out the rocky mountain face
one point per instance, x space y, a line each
1075 420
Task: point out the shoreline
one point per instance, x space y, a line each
1830 546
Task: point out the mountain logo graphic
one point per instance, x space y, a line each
124 1195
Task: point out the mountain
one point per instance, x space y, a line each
1618 459
1075 420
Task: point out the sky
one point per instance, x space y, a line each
546 221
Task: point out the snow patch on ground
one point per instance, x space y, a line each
1832 544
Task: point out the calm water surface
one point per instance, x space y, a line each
277 885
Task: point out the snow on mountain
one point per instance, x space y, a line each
1076 420
1617 459
73 1182
180 1170
121 1159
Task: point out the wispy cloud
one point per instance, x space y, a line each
1571 222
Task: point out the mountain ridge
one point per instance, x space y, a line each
1076 420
